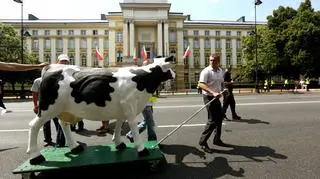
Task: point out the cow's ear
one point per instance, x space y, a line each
170 59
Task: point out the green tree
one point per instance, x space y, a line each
288 45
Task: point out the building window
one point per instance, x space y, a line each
70 32
238 33
59 44
47 58
172 52
196 76
83 43
228 33
71 57
34 32
35 44
197 61
106 43
186 77
207 43
94 32
185 33
228 61
71 43
196 43
47 32
185 43
95 43
119 56
95 61
83 60
119 37
47 44
218 33
206 59
228 43
239 60
238 43
206 33
106 32
59 32
83 32
218 43
173 37
195 32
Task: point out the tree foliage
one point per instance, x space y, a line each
288 45
10 51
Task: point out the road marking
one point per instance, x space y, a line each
15 130
241 104
200 105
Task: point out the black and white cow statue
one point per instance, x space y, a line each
96 94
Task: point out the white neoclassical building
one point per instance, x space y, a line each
120 36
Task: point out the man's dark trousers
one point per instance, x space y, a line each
214 120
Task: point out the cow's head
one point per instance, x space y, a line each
166 65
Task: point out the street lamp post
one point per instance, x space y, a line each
256 3
22 95
22 31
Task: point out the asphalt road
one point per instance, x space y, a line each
278 137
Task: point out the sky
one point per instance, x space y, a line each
206 10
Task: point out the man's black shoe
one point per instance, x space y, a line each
206 148
236 117
219 143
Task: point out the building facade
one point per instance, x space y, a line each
120 36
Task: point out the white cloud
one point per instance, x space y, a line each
58 9
214 1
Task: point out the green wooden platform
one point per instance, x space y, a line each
61 158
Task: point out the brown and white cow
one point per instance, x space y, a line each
96 94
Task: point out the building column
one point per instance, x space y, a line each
29 45
89 52
53 51
202 59
213 46
180 51
191 63
160 43
112 48
41 50
223 56
166 38
65 45
132 37
234 52
125 39
77 51
101 49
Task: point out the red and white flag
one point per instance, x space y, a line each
143 53
98 54
186 53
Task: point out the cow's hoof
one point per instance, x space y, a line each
144 152
121 146
77 150
37 160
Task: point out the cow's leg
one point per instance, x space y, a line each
136 137
74 147
33 150
120 145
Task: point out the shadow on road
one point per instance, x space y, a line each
252 152
251 121
2 150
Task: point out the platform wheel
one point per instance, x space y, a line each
156 166
30 175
